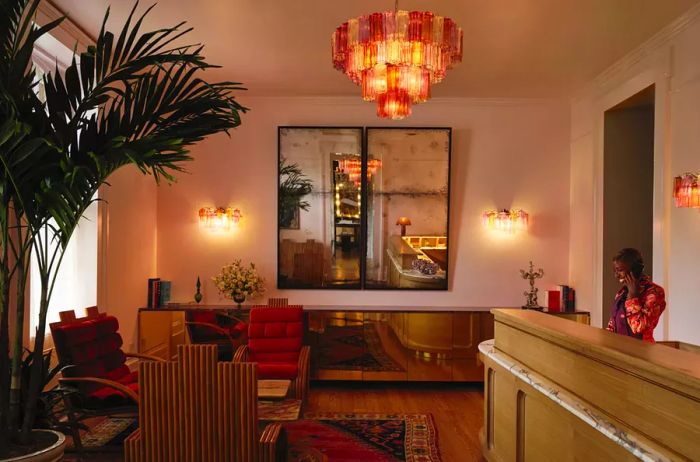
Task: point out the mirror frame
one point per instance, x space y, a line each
364 138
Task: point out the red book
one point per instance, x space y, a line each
553 301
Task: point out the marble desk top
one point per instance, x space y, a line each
574 405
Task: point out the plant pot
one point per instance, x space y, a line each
53 453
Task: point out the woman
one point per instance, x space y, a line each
639 303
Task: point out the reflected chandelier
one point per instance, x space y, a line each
396 55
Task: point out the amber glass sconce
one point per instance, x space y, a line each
509 221
219 218
686 192
403 222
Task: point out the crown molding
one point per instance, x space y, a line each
637 55
68 32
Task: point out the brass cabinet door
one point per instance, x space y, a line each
154 333
385 357
429 340
337 344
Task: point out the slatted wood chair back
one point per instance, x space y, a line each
196 409
277 302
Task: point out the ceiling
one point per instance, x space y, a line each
512 48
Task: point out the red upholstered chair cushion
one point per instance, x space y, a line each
275 340
93 348
110 397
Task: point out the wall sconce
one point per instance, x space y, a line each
686 192
509 221
403 222
219 218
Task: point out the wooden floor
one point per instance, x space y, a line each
457 409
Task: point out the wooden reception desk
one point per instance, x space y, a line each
562 391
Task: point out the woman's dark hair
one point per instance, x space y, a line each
633 259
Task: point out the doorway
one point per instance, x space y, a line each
628 185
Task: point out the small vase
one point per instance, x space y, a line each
238 298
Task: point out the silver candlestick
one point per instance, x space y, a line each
531 275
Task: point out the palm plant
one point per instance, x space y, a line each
294 186
136 98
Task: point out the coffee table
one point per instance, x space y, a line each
273 389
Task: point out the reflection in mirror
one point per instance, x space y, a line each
319 205
407 208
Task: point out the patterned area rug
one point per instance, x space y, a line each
107 434
338 437
355 348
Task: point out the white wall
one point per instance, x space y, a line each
505 154
670 61
129 246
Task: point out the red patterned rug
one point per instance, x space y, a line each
338 437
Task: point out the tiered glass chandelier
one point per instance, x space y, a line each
395 56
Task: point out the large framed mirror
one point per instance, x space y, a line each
408 185
363 208
319 207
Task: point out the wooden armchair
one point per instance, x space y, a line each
275 343
95 379
198 409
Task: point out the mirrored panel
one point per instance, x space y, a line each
408 171
319 207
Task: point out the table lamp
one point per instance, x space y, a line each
403 222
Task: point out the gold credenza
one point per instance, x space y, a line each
160 332
397 345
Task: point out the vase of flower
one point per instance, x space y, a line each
239 282
238 298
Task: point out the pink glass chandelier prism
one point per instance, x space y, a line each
395 56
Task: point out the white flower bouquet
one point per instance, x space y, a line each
238 281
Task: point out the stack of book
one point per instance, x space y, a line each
563 299
158 293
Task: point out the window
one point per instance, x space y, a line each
76 281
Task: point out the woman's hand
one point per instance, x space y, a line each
631 283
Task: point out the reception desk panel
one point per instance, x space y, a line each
563 391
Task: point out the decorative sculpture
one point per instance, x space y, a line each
198 294
531 275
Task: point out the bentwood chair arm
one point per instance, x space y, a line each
300 385
241 354
105 382
215 328
272 443
143 356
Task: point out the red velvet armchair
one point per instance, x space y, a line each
95 378
275 344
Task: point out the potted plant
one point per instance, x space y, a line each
135 99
